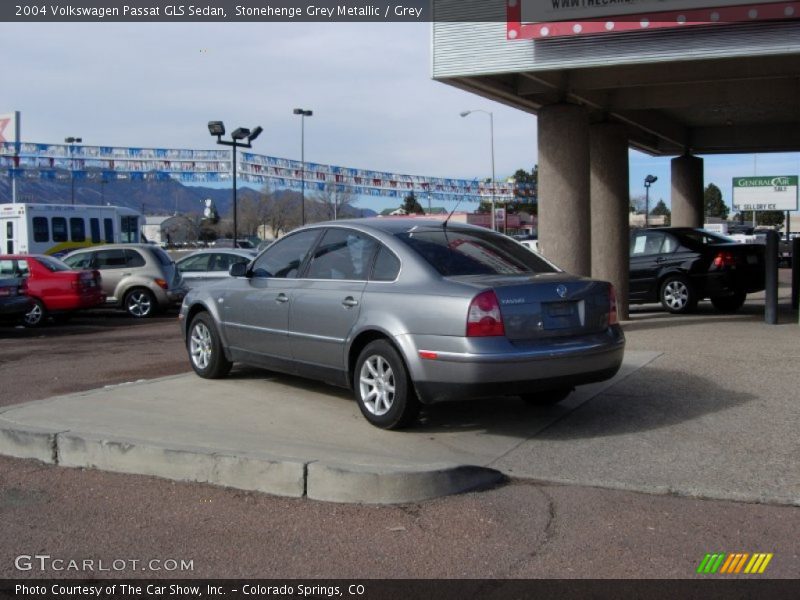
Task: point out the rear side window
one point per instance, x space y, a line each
195 264
82 260
454 252
387 266
41 229
133 258
342 254
111 259
59 229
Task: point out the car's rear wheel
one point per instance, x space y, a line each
383 388
677 294
547 398
140 303
729 304
36 316
205 349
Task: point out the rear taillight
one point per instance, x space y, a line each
162 283
484 318
613 318
724 259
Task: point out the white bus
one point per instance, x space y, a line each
58 228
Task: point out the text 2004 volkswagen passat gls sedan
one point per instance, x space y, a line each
408 311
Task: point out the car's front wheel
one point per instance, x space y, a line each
36 316
677 294
383 388
547 398
140 303
205 348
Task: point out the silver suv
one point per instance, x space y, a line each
140 278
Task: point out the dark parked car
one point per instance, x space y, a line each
405 311
14 301
54 288
679 266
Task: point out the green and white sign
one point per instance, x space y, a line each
774 192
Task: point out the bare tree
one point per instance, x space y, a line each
279 212
332 200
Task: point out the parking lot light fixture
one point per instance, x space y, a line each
466 113
217 128
72 141
648 181
303 113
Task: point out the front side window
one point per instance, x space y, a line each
59 229
285 257
223 262
77 229
454 252
41 229
342 254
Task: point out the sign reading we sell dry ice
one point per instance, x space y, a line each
778 192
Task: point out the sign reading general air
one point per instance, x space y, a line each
778 192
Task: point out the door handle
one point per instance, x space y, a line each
349 302
661 259
281 298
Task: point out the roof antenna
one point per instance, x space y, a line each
444 225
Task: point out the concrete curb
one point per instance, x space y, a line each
351 483
279 476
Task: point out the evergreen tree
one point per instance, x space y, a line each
412 206
714 204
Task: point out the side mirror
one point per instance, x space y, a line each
238 270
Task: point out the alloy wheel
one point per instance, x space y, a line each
377 384
676 294
139 304
200 346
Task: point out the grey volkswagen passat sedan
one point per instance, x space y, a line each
408 311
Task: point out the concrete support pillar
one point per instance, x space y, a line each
564 227
687 191
610 208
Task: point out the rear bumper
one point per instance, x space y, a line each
507 370
730 282
15 308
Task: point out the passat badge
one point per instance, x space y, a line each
562 290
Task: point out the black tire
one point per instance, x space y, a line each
382 387
205 349
677 294
729 304
140 303
36 316
548 398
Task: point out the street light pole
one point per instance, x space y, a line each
648 181
217 128
71 141
303 114
491 142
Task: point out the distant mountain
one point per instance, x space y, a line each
150 197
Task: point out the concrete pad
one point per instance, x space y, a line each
25 441
283 435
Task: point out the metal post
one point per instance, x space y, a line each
72 170
795 272
303 169
771 279
491 135
647 206
235 233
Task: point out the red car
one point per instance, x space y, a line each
54 287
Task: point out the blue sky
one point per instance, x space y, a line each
375 105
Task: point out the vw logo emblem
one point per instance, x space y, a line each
562 290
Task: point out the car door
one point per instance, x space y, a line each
645 264
194 269
113 266
327 300
255 309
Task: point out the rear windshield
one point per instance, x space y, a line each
706 237
454 252
53 264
